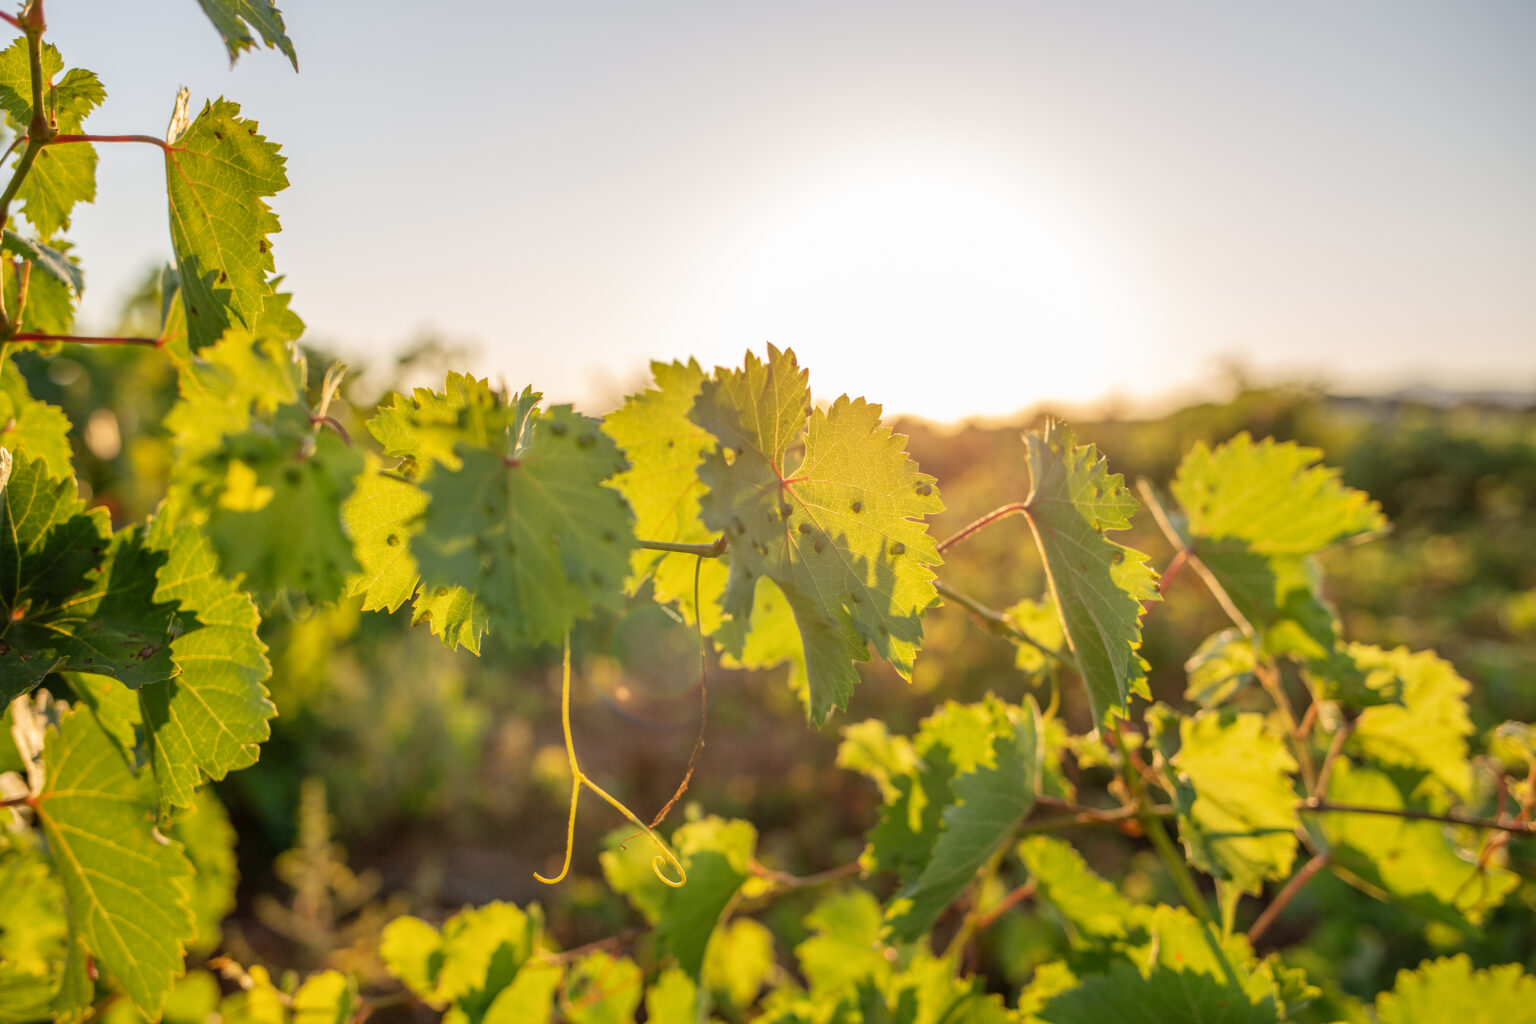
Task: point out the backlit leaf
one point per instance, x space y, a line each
235 18
31 428
218 175
1233 792
1087 903
1449 989
1429 729
127 892
212 718
1098 585
826 504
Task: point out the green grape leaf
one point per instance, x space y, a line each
1415 862
738 961
234 20
1183 973
224 384
536 538
47 260
715 853
16 80
1041 622
869 748
62 176
1088 904
662 485
1233 791
470 962
258 484
673 996
257 1002
218 174
846 943
530 997
1222 665
1256 512
456 616
602 989
212 718
325 998
380 516
1098 585
74 596
1429 729
1449 989
208 841
50 306
1270 495
33 935
127 892
31 428
826 504
990 801
424 428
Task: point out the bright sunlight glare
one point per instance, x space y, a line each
930 291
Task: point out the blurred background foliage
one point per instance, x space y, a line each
427 780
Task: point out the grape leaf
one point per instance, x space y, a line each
530 997
258 484
673 996
127 892
738 961
50 307
1449 989
208 841
1256 512
989 803
47 260
1098 585
602 989
468 963
827 505
1222 665
535 537
62 176
1233 793
424 429
380 515
1429 729
846 943
1184 972
664 448
217 175
715 854
1413 861
212 718
73 595
31 428
223 385
33 935
231 18
1087 903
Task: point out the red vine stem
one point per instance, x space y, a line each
1017 507
150 139
77 339
1285 895
11 19
1523 828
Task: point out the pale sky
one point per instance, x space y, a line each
956 208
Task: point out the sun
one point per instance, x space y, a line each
930 290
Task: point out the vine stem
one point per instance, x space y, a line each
713 549
10 19
1521 828
1285 895
785 880
80 339
580 779
149 139
994 621
1001 512
1171 534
